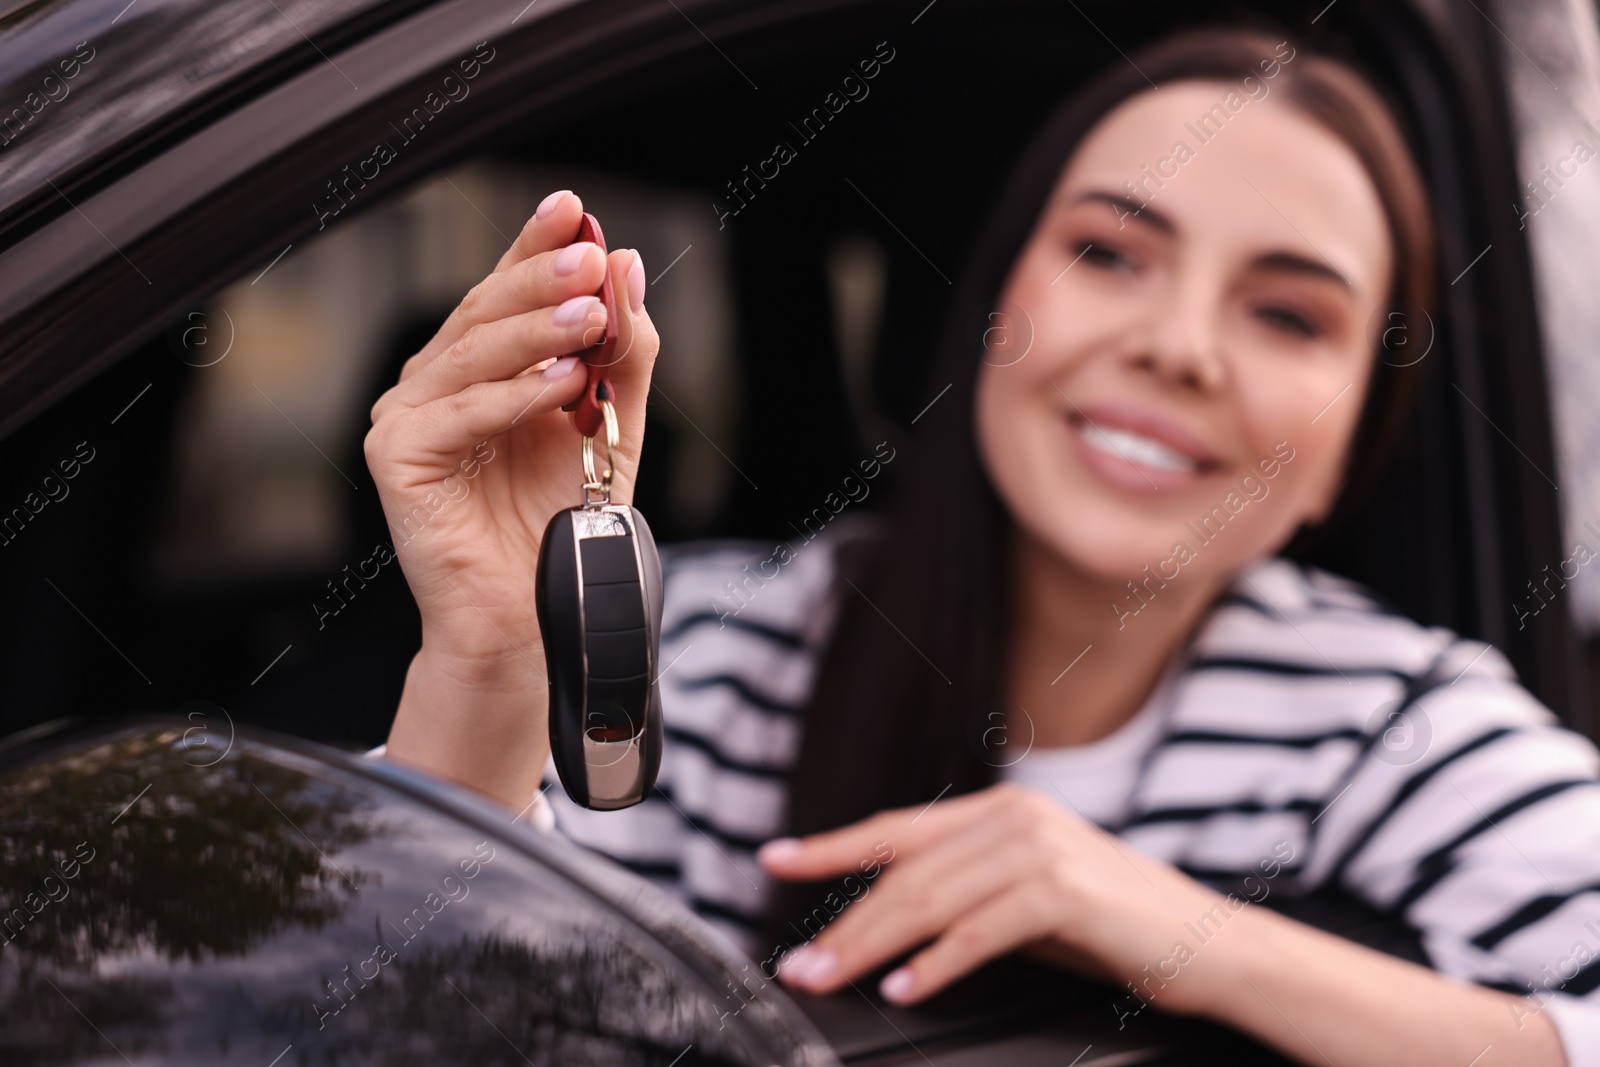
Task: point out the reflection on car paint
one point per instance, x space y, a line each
264 904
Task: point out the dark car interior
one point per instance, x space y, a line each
214 398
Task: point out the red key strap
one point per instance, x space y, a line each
587 416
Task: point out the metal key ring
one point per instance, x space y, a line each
600 483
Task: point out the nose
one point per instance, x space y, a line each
1182 345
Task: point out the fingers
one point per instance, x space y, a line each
553 223
552 227
921 897
999 925
499 350
542 280
630 359
540 303
908 830
444 428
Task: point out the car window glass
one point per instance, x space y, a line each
290 359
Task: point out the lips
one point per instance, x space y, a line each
1137 449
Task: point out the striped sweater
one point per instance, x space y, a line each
1400 763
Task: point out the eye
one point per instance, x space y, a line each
1289 321
1102 256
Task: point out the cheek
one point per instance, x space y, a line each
1002 441
1023 352
1022 442
1309 411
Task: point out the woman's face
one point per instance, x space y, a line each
1176 388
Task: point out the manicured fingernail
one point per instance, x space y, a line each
809 964
896 985
779 849
548 204
789 964
573 311
560 368
636 283
570 258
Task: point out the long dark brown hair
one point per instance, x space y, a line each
904 713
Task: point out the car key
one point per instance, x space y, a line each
597 592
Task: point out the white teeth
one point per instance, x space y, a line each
1136 448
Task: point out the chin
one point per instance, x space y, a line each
1103 541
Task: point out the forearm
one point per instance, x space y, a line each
1322 999
479 725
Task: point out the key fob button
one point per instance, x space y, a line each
608 561
612 607
615 653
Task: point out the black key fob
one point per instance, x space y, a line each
598 595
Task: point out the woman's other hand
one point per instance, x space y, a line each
983 875
472 456
1007 869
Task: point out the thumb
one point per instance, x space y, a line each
629 360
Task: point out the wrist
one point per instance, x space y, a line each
478 721
478 642
1228 958
486 670
1264 958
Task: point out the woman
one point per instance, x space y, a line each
1075 624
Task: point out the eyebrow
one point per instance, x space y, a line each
1294 263
1273 262
1129 206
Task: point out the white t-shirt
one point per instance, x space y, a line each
1096 778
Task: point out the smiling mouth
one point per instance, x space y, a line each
1137 448
1141 459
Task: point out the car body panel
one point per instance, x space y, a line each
195 894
